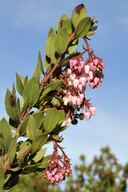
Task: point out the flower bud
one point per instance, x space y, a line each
92 110
90 75
76 82
82 80
96 61
72 76
96 80
87 115
87 68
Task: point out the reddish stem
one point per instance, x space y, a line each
47 77
89 50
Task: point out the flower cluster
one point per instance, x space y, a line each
77 76
58 167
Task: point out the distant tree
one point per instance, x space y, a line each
103 174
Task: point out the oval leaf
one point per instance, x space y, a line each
5 135
38 143
52 118
11 105
12 151
62 41
83 27
31 93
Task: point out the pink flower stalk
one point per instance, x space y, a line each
58 167
77 77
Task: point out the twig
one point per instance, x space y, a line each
89 50
46 78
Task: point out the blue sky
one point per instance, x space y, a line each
24 26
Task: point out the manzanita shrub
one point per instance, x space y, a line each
49 102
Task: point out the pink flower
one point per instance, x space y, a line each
74 100
87 115
76 82
87 68
72 76
92 109
52 179
78 101
96 61
66 100
90 75
82 81
66 123
57 177
69 71
92 66
102 63
82 63
58 166
81 96
99 85
96 80
72 62
61 176
80 87
92 85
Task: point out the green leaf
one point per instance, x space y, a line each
73 47
35 125
54 86
12 151
1 179
52 118
11 105
23 128
39 69
44 163
46 63
24 148
13 123
56 102
50 46
38 143
39 155
90 33
78 14
64 17
50 31
31 128
5 135
83 27
62 41
29 169
38 116
13 90
12 181
64 22
20 83
31 93
16 168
